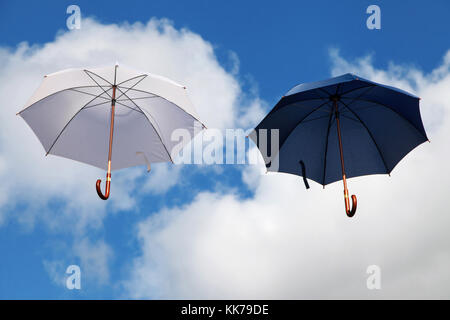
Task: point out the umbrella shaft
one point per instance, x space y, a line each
111 130
347 202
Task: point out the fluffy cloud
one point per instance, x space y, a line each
162 179
285 242
32 182
93 258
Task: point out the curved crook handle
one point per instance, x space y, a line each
107 188
350 212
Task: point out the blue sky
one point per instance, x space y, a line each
278 43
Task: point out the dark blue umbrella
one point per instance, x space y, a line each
372 126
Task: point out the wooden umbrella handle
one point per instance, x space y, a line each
111 132
107 188
350 212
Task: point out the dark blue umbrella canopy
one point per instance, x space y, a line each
379 125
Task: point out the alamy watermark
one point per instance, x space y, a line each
73 281
373 281
229 146
374 20
74 20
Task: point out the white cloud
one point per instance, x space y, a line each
56 271
162 179
31 181
286 242
95 258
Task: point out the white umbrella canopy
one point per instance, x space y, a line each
109 117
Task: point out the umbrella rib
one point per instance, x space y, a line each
96 105
298 123
124 105
64 128
390 108
358 97
355 89
139 98
321 89
370 134
142 75
317 118
359 109
87 72
288 105
52 94
355 120
90 94
338 87
134 85
159 136
143 112
139 90
157 96
326 147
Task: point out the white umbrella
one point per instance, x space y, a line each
76 112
